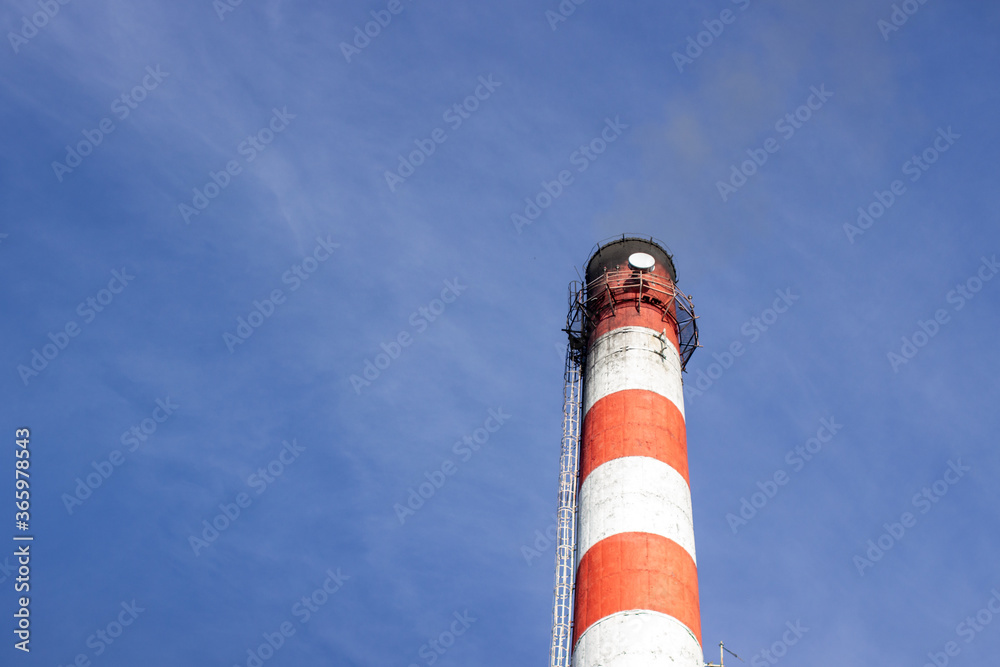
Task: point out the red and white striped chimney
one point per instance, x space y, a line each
636 601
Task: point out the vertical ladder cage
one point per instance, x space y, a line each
569 468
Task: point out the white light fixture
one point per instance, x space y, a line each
641 261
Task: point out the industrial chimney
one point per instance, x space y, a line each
625 559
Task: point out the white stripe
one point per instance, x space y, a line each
633 358
638 639
635 494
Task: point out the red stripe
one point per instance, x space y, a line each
621 311
636 571
633 422
626 316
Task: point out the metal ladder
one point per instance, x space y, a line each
569 468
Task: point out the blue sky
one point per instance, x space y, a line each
289 141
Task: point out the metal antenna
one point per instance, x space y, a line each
722 648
